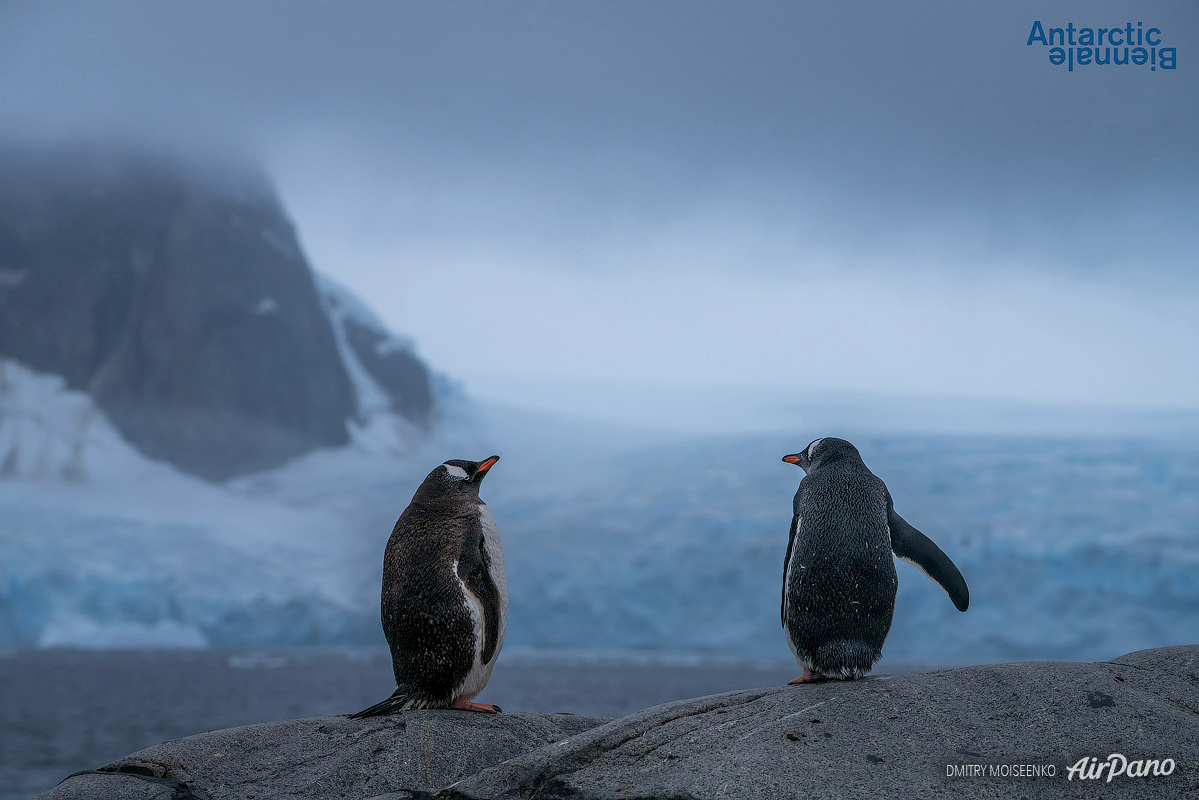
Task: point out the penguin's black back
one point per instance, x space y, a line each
427 625
839 574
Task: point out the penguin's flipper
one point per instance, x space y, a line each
399 699
474 568
786 564
913 546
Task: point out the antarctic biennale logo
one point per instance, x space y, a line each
1085 47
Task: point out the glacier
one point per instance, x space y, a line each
1078 547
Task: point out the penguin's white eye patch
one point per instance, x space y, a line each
455 471
812 447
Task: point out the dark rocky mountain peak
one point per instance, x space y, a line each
177 295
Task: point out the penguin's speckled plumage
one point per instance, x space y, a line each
839 580
444 603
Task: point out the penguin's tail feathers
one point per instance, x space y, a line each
400 699
846 658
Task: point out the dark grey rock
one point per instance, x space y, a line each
405 755
112 786
881 737
1182 661
884 736
178 296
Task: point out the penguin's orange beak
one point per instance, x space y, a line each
792 459
487 464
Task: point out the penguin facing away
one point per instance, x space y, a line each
839 580
444 604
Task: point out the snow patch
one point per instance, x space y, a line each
267 305
376 426
278 243
346 305
50 432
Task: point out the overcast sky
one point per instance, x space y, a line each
844 196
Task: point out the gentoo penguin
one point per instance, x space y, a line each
445 596
839 579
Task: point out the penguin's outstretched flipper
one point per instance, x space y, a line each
399 699
914 547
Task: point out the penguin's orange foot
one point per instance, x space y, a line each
809 676
483 708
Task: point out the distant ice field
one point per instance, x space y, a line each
1072 548
1079 548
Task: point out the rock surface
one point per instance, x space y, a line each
884 736
409 754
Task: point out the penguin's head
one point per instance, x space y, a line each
458 475
822 451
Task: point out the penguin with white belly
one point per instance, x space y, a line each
839 580
445 595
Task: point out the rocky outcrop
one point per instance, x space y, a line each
1004 730
177 296
887 736
410 754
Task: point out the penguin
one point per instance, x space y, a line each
444 604
839 580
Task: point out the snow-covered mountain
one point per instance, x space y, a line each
176 296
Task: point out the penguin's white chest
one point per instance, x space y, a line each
480 673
